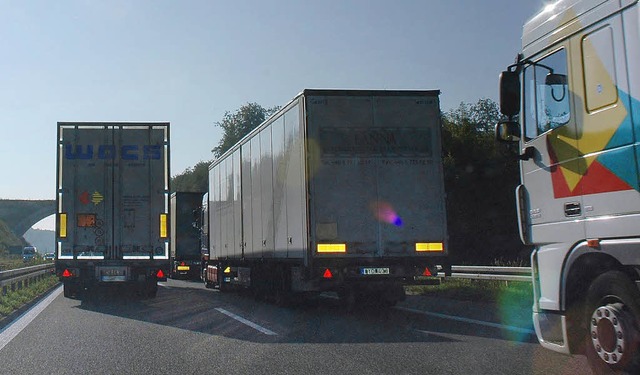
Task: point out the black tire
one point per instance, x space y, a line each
151 289
222 286
207 283
613 335
70 289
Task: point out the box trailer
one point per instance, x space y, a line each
340 190
185 234
112 205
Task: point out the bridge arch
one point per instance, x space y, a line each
20 215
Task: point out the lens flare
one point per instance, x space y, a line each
384 212
515 311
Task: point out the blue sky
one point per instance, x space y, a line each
187 62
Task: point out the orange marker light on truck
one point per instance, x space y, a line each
62 222
332 248
163 225
429 246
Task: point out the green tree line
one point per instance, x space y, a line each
480 179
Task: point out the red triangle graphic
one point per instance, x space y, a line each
599 179
560 186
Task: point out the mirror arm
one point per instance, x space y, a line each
529 153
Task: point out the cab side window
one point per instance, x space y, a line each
546 95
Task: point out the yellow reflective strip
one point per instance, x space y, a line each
429 246
332 248
163 225
62 220
227 270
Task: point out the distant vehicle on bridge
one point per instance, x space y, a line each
29 254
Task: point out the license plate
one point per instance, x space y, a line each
374 271
107 278
183 268
112 271
115 274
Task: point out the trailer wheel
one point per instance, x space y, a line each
613 336
222 286
207 283
152 289
70 289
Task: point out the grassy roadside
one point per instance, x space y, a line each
17 299
476 290
511 300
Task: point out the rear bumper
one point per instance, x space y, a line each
112 272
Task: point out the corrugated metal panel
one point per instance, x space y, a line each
247 199
266 188
256 202
296 185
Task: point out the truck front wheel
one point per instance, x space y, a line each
613 337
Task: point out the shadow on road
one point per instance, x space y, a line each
188 305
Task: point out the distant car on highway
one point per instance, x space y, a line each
49 256
29 254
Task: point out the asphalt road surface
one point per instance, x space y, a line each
188 329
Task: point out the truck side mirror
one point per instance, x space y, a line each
508 132
555 79
509 93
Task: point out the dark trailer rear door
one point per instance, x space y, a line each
113 191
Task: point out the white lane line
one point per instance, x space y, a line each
467 320
12 330
247 322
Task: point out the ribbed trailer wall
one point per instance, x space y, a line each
257 193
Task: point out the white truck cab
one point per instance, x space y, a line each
571 98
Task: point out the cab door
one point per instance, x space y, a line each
610 181
551 171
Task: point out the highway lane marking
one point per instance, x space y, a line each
247 322
12 330
467 320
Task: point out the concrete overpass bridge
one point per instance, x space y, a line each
20 215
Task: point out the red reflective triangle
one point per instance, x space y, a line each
66 273
160 274
426 272
327 274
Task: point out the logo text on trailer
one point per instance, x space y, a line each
110 152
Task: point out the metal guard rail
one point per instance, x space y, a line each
22 275
490 273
